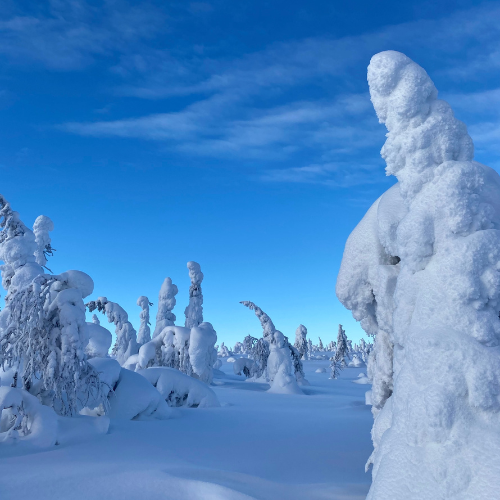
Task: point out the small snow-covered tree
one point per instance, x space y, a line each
41 229
126 336
338 360
301 342
166 303
144 334
194 311
202 354
309 346
268 328
320 345
248 344
95 319
238 348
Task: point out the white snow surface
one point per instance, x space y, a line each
421 272
220 453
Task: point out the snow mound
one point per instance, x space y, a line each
321 370
362 379
135 398
100 340
79 429
231 359
243 366
356 362
24 419
180 390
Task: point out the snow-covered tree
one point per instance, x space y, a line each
421 273
41 229
194 311
126 337
202 353
224 351
144 334
166 303
248 344
301 342
338 360
43 332
309 346
332 346
95 319
320 345
238 348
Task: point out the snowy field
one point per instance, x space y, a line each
256 445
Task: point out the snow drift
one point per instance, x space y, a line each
421 273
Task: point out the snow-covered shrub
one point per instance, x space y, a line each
166 303
421 273
280 367
194 311
41 229
144 334
301 342
23 418
178 389
202 353
245 366
126 336
320 345
100 340
238 348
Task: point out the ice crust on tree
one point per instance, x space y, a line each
421 274
194 311
166 303
144 334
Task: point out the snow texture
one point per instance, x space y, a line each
100 340
166 303
421 273
202 353
41 228
194 311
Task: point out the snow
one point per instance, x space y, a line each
194 310
100 340
166 302
256 445
179 389
420 272
202 353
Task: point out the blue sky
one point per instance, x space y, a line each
236 134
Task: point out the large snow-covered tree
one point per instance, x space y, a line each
194 310
144 334
166 303
43 332
421 274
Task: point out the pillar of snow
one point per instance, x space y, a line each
301 341
421 274
144 334
166 303
41 229
194 311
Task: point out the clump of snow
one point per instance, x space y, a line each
135 398
178 389
321 370
356 362
202 353
166 302
194 311
362 379
41 228
100 340
231 359
421 273
280 367
245 366
23 418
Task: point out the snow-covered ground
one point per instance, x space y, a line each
256 445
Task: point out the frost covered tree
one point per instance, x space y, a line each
301 342
166 303
421 274
202 353
144 334
248 344
95 319
41 228
238 348
224 351
320 345
126 337
309 346
194 311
